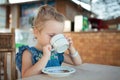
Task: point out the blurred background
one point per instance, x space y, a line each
94 25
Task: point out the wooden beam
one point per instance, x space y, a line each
7 16
113 21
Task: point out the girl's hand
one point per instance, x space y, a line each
71 46
70 41
47 50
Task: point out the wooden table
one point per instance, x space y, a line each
85 71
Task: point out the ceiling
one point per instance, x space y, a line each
104 9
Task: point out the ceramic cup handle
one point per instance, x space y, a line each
52 49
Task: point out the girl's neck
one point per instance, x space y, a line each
39 47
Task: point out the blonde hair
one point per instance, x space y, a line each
46 13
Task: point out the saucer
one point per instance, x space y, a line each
59 71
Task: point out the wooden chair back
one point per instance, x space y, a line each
7 45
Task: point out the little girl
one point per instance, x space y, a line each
31 60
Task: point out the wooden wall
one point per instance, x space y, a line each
70 9
98 47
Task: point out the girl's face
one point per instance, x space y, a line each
50 29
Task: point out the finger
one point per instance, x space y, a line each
66 36
71 42
69 39
49 47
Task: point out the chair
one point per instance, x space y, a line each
7 45
3 66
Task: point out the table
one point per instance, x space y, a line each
85 71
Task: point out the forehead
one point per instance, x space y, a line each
53 26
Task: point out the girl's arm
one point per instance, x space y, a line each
28 69
72 58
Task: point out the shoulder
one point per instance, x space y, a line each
26 53
24 47
26 58
19 55
23 50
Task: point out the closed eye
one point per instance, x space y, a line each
51 35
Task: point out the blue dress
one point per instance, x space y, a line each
56 59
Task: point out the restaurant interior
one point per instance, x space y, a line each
94 26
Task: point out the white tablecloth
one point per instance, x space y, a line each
85 71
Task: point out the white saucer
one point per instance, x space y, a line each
59 71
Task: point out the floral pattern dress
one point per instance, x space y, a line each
56 59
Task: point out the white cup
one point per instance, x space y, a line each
59 43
